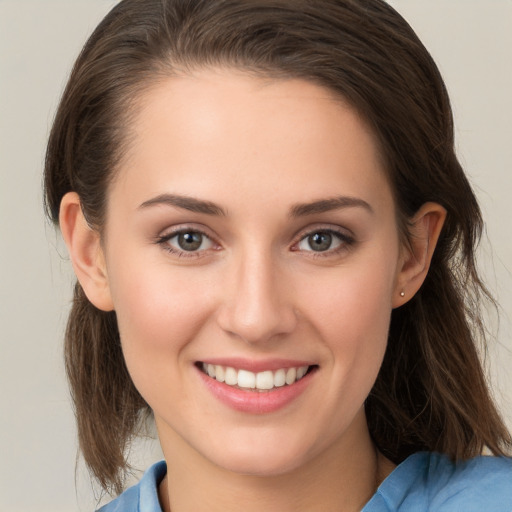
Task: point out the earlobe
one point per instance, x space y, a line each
86 253
425 228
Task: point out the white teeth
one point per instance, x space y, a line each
220 373
279 378
264 381
246 379
301 372
231 376
291 375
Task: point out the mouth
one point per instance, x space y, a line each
263 381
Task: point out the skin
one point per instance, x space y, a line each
255 289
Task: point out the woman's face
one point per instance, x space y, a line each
251 235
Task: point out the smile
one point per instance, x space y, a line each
260 381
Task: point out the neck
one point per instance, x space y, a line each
341 479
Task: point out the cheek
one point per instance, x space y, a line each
352 300
159 311
350 311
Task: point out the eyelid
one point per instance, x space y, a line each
185 227
345 236
336 229
170 233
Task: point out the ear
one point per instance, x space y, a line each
424 230
86 252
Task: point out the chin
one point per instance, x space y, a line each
260 459
260 467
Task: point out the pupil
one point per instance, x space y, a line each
190 241
320 241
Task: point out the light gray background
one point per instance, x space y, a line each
470 39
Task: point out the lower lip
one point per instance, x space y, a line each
256 402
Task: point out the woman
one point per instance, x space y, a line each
274 245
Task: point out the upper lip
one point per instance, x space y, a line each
256 366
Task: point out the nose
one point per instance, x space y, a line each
257 305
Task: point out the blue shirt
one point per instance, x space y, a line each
424 482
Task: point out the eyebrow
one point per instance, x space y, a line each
327 205
186 203
298 210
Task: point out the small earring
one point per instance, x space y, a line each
402 294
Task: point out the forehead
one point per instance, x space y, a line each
226 127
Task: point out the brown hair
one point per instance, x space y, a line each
431 392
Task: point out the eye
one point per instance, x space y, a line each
323 241
189 241
186 241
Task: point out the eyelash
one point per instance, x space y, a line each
346 241
164 239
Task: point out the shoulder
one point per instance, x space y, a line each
482 483
431 481
142 497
